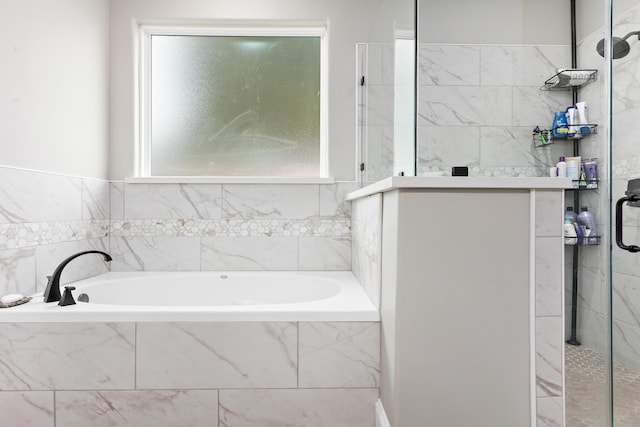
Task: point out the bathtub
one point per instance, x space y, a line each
207 296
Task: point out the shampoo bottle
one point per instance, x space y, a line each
588 221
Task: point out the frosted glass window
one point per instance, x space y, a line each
235 106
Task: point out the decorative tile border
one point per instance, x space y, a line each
24 235
231 227
29 234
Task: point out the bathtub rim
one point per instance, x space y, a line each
350 305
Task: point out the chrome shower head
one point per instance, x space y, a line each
620 46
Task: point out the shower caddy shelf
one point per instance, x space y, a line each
570 78
544 137
582 241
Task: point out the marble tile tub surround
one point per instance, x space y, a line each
43 219
367 244
230 226
46 217
118 374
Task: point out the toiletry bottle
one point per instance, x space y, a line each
562 167
570 216
588 221
573 169
591 172
582 118
569 227
559 129
572 120
582 181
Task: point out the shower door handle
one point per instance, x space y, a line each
630 248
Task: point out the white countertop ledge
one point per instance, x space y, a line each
460 182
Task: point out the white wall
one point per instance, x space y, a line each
349 22
495 21
54 85
394 16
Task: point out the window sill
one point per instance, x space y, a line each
224 180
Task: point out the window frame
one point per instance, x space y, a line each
143 112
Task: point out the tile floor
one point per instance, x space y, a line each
587 390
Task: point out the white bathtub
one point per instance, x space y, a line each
207 296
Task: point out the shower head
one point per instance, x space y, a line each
620 45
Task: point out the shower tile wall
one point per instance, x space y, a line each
230 227
193 373
478 106
44 218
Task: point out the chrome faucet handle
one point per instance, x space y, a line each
67 297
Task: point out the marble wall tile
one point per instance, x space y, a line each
33 197
155 408
67 356
116 198
249 253
533 106
48 257
298 408
592 288
270 201
366 244
339 354
626 299
183 201
625 262
449 65
379 150
465 106
521 65
332 199
509 146
550 412
380 105
549 278
219 355
548 213
95 199
27 409
592 331
446 146
155 253
626 342
18 271
549 356
324 253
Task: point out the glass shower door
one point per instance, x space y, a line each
625 189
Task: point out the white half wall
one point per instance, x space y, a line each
54 86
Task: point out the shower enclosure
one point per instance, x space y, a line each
479 93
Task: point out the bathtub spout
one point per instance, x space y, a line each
52 292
